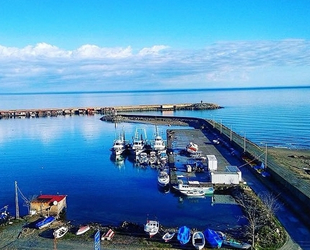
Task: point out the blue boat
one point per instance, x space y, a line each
184 235
45 222
212 237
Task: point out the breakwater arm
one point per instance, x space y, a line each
28 113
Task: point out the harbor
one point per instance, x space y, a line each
210 141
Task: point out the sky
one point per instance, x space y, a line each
99 45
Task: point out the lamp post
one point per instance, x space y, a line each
230 133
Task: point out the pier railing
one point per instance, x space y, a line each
298 186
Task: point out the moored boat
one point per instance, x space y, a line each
60 232
194 185
168 236
151 227
184 235
198 240
192 148
45 222
82 230
193 192
158 144
232 242
163 178
119 145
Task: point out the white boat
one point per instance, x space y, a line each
60 232
151 227
159 143
142 158
193 192
192 148
162 158
152 158
139 142
198 240
119 145
194 185
168 236
82 230
163 178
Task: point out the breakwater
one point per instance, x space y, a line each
49 112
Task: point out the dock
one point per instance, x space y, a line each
109 111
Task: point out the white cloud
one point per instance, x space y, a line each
45 67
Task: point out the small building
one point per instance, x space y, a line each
48 204
212 162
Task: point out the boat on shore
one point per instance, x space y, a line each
213 238
108 235
151 227
232 242
60 232
168 236
45 222
198 240
163 178
184 235
82 230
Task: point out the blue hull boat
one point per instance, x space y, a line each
45 222
184 235
213 238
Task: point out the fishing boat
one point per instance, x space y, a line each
45 222
168 236
184 235
198 240
213 238
162 158
151 227
192 148
119 145
159 144
139 142
60 232
82 230
163 178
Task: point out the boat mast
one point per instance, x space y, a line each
16 202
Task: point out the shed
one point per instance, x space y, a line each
234 169
212 162
48 204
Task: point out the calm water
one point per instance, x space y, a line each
70 155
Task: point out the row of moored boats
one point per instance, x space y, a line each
209 237
140 149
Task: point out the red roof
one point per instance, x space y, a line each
51 198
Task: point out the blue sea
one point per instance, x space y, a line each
71 154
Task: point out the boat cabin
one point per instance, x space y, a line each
48 205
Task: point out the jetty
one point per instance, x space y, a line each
52 112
